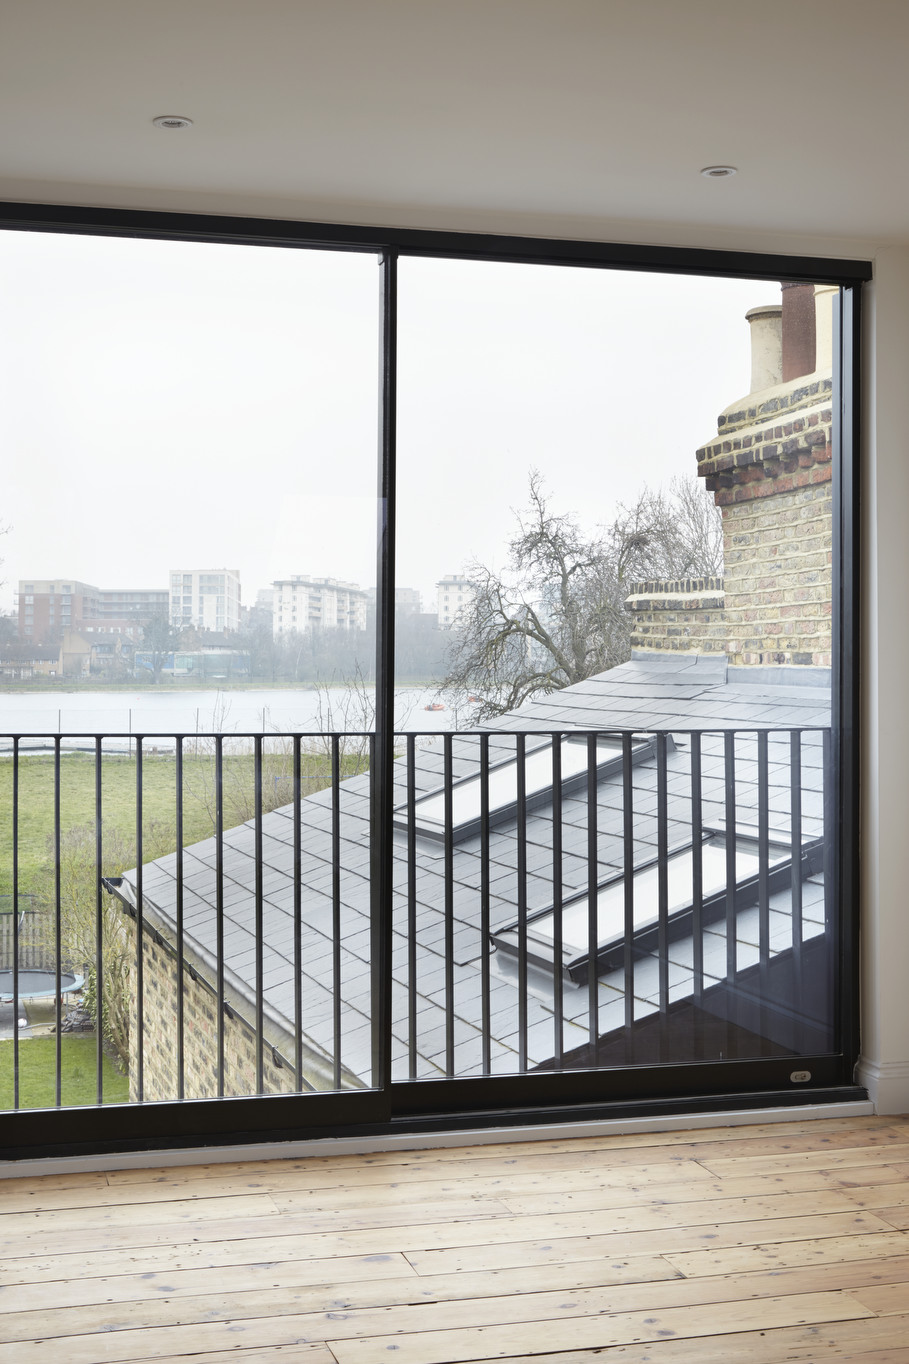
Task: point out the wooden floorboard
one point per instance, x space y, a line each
766 1243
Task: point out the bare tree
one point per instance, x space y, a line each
671 535
158 640
349 708
557 614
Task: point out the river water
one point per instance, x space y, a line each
161 714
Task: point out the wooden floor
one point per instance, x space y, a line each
780 1242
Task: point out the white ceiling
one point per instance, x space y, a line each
507 114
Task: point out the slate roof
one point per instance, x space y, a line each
646 694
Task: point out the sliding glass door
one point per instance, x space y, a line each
500 765
615 551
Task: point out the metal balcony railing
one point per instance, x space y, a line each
562 900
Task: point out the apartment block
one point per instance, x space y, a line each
453 593
302 603
205 598
408 601
50 606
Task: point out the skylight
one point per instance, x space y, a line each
610 903
466 794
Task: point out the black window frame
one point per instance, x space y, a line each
519 1099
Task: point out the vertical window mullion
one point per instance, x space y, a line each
842 778
382 745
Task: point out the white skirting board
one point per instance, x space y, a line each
887 1083
337 1146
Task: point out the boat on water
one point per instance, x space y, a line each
434 705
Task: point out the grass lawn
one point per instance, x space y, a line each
118 803
37 1060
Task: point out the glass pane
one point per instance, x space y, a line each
615 512
503 784
680 893
187 622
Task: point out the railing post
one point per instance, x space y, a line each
259 913
178 893
140 932
558 1002
298 917
99 931
484 904
219 903
449 909
731 926
336 907
15 921
628 893
593 998
795 826
697 871
411 908
763 765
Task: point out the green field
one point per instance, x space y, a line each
78 1069
36 802
56 806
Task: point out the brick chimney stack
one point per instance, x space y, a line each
769 468
770 473
799 330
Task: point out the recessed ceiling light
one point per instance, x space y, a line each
719 172
172 122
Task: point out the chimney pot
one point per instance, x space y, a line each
766 346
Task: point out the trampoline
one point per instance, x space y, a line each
37 984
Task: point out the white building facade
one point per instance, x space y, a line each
206 598
453 594
302 603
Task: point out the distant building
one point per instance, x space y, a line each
453 594
302 603
48 607
206 598
82 654
215 659
408 602
259 616
132 606
19 662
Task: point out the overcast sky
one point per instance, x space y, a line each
176 405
